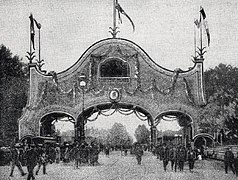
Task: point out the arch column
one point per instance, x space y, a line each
152 132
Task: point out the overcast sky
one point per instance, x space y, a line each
164 29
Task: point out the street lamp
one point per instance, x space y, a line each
82 85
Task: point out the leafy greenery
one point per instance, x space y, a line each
13 93
142 134
221 112
118 136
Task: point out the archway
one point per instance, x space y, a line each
180 136
51 126
203 140
92 114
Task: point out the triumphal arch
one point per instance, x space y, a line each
113 73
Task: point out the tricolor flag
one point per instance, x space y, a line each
203 14
32 30
120 10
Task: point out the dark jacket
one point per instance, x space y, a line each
229 156
31 157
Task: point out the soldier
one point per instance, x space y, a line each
138 153
15 153
228 160
181 155
42 160
31 161
165 156
191 157
173 158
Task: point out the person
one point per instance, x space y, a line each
31 161
173 158
229 160
181 157
42 160
57 154
107 150
191 157
236 164
15 161
165 156
138 153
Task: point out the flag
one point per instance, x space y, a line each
197 23
203 14
121 11
32 30
38 25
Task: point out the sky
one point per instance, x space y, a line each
164 29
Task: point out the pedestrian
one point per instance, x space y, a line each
57 153
165 156
42 160
15 159
229 160
138 153
107 150
31 161
236 164
181 156
173 158
191 157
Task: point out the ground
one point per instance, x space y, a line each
117 167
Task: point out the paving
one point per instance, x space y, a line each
118 167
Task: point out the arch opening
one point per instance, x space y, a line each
59 126
174 127
105 116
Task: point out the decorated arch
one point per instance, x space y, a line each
114 73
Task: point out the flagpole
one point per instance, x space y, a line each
114 19
194 39
39 44
201 30
30 39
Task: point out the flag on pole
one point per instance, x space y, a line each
32 30
38 25
205 24
121 11
197 23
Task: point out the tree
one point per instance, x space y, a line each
142 134
118 136
13 93
221 113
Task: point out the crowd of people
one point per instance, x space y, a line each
35 156
177 155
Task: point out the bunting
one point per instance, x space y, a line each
121 11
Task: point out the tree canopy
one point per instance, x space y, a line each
221 112
142 134
13 93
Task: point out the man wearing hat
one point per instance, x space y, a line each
15 153
31 161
